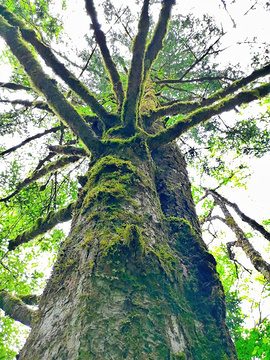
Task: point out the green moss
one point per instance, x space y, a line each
179 356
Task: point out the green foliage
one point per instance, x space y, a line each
255 343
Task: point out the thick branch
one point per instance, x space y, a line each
205 113
109 63
50 60
13 86
16 308
42 225
184 107
31 138
253 223
47 87
58 164
130 109
253 255
156 42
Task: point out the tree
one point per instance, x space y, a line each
129 277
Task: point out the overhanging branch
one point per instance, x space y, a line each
205 113
13 86
16 308
43 225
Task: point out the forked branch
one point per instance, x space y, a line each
205 113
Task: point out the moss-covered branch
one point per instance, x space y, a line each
181 107
38 174
47 87
26 103
135 78
31 138
13 86
205 113
108 61
50 59
16 308
68 150
253 255
253 223
42 225
30 299
156 42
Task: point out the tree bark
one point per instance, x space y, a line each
133 280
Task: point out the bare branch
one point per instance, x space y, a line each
109 63
16 308
182 81
205 113
58 164
42 225
31 138
135 78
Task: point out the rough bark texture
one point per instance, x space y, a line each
131 281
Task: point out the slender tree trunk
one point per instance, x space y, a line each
133 279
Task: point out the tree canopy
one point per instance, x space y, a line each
142 81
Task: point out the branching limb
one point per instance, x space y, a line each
47 87
58 164
68 150
31 138
135 78
253 223
253 255
16 308
13 86
26 103
205 113
45 52
109 63
184 107
43 225
156 43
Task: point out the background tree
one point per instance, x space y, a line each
134 263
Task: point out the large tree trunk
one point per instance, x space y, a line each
133 279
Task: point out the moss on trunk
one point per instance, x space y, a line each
130 283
